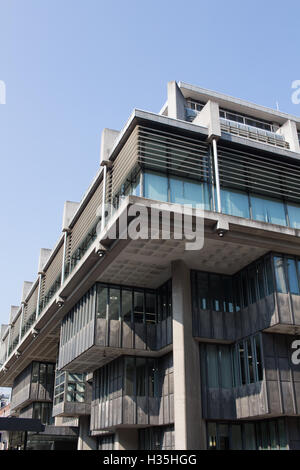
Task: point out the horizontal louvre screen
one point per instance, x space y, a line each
87 218
183 156
124 162
54 270
259 174
31 304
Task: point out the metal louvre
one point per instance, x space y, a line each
124 163
259 174
54 270
31 304
87 218
181 155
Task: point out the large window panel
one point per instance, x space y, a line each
235 203
292 276
268 210
294 215
156 186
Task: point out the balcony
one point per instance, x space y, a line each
254 133
72 395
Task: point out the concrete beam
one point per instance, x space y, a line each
209 117
176 102
108 139
289 132
189 425
44 256
70 208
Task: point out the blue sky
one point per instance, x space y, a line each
73 67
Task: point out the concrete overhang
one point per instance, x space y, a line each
236 104
147 263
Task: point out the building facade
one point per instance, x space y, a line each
128 339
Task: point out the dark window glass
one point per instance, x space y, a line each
292 276
129 376
202 285
152 378
252 284
212 366
228 294
141 377
224 436
102 302
245 289
236 437
261 280
225 367
258 358
250 362
216 291
212 436
150 308
269 276
242 363
35 372
114 304
138 312
126 305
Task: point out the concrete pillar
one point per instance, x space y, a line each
70 207
44 256
126 439
85 441
289 132
189 426
176 102
209 117
108 139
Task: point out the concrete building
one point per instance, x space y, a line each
136 342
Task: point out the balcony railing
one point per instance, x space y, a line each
254 133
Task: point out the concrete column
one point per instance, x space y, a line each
126 439
108 139
176 102
209 117
85 441
289 132
189 426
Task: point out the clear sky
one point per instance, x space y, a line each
73 67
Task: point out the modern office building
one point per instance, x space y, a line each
127 342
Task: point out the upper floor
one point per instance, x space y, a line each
249 186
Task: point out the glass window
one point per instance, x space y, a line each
212 366
129 376
235 203
260 280
236 437
228 294
250 361
224 436
138 312
212 436
150 308
152 378
202 286
156 187
216 291
280 274
269 276
242 363
283 443
141 377
268 210
292 276
126 305
250 441
252 284
225 367
114 304
35 372
245 289
294 215
259 369
102 302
